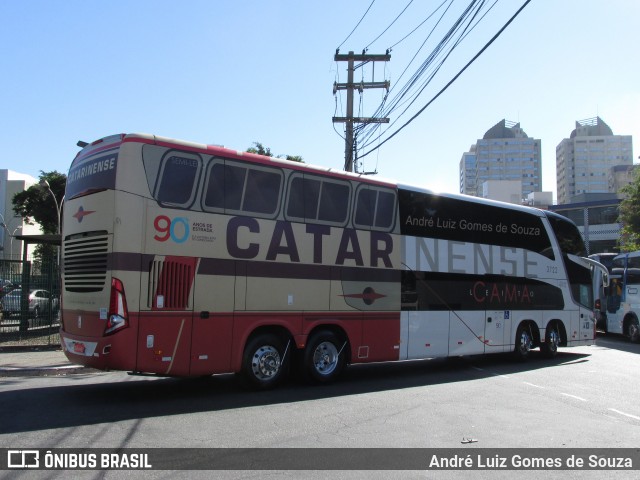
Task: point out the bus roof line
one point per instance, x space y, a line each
261 159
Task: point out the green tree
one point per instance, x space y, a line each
37 204
630 216
260 149
266 151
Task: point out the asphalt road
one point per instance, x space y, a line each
585 398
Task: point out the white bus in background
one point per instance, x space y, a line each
600 283
623 296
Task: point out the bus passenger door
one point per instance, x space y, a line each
166 316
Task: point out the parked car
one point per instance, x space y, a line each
39 301
5 287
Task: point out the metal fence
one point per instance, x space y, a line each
30 301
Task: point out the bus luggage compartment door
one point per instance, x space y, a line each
166 318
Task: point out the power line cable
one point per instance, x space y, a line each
390 25
354 28
419 25
450 81
398 101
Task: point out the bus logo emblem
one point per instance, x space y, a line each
81 213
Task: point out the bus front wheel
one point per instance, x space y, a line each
324 357
265 362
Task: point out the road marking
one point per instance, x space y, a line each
625 414
574 396
533 385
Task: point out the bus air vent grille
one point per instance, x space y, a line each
171 280
85 263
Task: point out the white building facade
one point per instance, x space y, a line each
585 159
12 225
505 153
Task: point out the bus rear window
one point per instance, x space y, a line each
93 173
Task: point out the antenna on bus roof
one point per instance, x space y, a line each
81 144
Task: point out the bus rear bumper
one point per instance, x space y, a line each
95 352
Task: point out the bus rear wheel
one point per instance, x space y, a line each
324 357
265 362
551 341
633 331
524 342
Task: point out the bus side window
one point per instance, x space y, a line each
178 178
304 194
365 206
237 189
334 202
262 193
385 211
318 200
375 208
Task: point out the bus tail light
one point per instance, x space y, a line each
598 305
118 317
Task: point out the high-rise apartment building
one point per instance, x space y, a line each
468 171
585 159
505 152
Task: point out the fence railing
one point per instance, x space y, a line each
29 302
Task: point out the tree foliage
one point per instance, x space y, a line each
37 204
266 151
630 216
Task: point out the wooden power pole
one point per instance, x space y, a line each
350 86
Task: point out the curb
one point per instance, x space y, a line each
46 371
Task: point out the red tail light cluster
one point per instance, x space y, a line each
118 316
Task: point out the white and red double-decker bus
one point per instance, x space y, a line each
187 259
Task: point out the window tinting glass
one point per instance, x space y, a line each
365 206
233 186
262 193
384 212
214 195
334 202
178 178
303 198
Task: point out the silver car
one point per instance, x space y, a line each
39 303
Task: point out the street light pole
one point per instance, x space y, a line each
44 184
13 235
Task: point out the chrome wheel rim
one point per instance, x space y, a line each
266 362
325 358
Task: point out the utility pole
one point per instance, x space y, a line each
350 86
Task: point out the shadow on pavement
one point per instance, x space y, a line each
68 405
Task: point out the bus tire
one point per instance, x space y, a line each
324 356
265 361
551 341
633 331
524 342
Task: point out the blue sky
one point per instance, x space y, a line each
232 72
